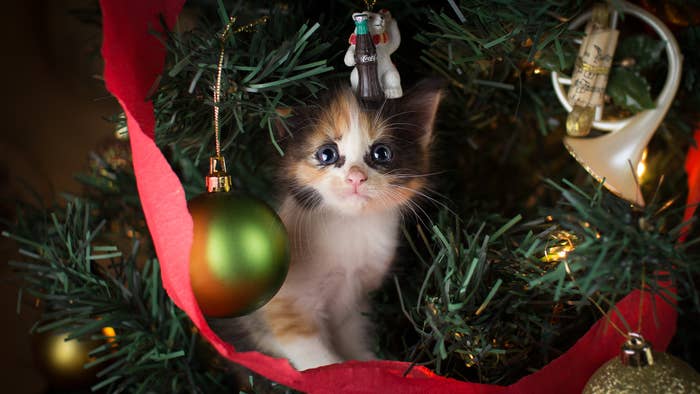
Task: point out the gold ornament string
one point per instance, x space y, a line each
595 303
641 298
220 66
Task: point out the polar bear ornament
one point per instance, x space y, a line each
386 37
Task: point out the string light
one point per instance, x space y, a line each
562 243
470 361
642 166
109 333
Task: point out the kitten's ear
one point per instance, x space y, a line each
289 122
422 103
282 122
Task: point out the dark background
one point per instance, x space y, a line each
53 110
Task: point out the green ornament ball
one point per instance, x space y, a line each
240 253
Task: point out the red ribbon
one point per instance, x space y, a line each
692 169
133 59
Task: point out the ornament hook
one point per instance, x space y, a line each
218 180
636 352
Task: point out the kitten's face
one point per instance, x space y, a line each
353 161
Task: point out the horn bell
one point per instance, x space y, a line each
613 158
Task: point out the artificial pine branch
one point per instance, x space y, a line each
498 118
85 285
497 301
617 248
266 67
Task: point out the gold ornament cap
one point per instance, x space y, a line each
580 121
636 352
218 180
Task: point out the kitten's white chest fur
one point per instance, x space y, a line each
337 259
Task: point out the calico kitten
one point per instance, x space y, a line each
350 172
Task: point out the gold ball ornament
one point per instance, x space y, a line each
640 370
240 249
62 362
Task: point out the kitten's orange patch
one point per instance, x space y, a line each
339 117
308 173
286 321
342 114
404 193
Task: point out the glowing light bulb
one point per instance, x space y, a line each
642 166
563 244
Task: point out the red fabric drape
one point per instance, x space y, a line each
133 59
692 169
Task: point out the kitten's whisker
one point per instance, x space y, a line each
410 171
299 229
379 112
301 226
409 204
300 221
307 216
427 216
424 187
385 199
404 124
427 197
404 176
412 205
387 119
435 193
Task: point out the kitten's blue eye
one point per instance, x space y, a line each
327 154
381 154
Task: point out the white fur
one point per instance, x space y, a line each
308 352
389 76
337 259
340 252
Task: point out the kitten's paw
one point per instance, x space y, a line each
315 362
309 352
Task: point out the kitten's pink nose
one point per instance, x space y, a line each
356 177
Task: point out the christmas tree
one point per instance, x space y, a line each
509 258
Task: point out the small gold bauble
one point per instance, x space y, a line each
61 362
638 370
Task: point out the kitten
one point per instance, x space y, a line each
350 172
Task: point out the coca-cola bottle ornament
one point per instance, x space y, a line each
368 87
375 38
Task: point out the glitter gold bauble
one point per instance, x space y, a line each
240 253
639 370
61 362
